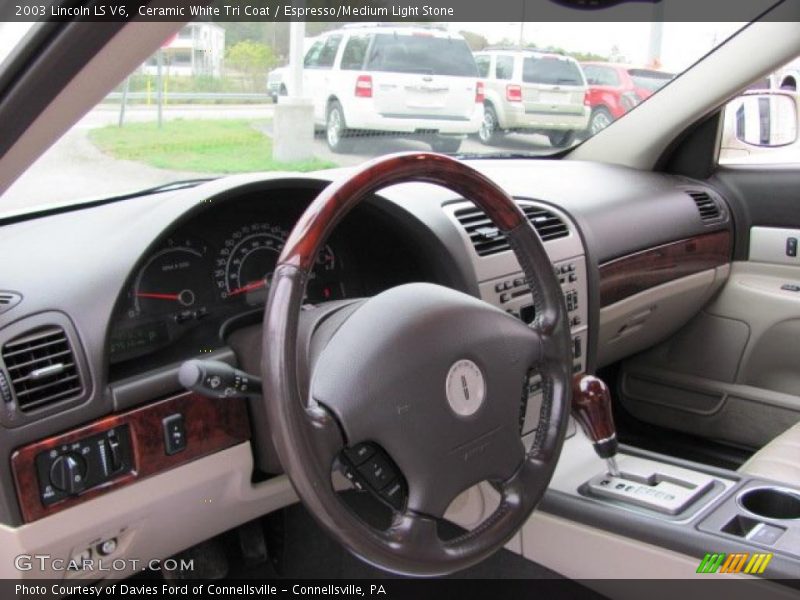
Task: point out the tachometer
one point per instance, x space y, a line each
244 266
174 280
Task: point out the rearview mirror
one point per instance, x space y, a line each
765 119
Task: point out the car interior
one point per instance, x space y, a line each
583 365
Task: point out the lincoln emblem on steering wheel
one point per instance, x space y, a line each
465 387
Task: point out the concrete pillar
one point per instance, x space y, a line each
293 129
293 121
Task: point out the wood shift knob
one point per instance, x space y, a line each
591 407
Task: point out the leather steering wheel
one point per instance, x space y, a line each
433 376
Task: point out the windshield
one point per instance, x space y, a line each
600 75
649 80
551 70
421 54
222 97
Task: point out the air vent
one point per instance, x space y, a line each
41 367
8 300
488 239
706 206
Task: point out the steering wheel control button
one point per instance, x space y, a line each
394 494
359 453
378 472
370 469
465 387
350 474
174 434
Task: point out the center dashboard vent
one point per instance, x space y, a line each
41 368
707 207
487 239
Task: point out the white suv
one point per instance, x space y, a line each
416 82
532 92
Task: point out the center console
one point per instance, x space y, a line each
695 510
502 283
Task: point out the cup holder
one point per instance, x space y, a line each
771 503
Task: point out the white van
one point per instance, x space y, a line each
416 82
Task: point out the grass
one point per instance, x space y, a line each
203 146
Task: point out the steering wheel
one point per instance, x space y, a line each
433 377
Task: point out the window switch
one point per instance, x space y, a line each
174 433
791 246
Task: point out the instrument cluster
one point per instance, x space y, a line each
214 268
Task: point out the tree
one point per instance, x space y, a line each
576 54
616 55
475 41
251 59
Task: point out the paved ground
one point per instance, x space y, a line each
74 168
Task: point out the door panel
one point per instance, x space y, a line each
733 372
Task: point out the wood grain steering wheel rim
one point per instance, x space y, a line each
309 432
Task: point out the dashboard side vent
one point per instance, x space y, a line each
488 239
8 300
707 207
42 369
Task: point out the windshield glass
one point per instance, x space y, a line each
649 80
600 75
221 97
421 54
551 70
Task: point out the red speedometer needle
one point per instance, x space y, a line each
253 285
158 296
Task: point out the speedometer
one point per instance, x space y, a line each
244 266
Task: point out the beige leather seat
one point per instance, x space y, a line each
779 460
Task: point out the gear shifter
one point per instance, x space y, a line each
591 407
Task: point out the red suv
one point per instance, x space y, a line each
614 89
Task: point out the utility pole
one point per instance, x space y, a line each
124 102
160 86
656 36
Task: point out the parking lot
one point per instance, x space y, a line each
74 165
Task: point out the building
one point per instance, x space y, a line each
197 49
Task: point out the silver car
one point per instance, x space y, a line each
531 92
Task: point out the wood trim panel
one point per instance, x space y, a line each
637 272
211 425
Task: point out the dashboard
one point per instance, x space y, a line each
140 285
210 274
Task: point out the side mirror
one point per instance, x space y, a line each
765 119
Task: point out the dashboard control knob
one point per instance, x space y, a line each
68 473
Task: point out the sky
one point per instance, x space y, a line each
682 43
10 34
